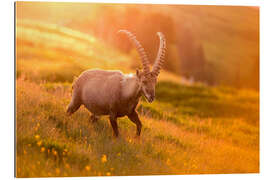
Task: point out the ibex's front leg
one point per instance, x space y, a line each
134 118
113 120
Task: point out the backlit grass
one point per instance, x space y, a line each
171 142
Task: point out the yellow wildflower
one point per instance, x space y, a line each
65 151
55 153
42 149
119 154
39 143
57 170
168 162
104 158
37 137
87 168
67 165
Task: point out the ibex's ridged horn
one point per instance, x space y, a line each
139 48
161 54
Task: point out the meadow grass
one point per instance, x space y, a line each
186 130
172 141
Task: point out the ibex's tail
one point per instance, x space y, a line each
74 105
69 110
139 48
72 108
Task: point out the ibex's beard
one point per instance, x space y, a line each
149 98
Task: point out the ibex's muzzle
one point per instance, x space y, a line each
150 98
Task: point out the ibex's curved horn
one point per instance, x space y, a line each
161 54
139 48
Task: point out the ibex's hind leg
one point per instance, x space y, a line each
113 120
134 118
93 118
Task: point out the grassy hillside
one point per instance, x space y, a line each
193 130
186 130
46 48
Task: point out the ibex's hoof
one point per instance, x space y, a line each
93 119
137 136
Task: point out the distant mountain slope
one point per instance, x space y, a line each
229 36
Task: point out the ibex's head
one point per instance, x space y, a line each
148 79
147 82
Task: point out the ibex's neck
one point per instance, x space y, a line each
130 87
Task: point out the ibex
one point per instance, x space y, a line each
116 94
